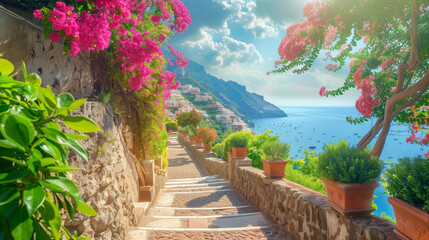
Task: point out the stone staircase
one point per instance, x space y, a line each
203 208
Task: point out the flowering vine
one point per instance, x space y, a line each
133 33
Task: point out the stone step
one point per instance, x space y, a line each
171 211
218 198
266 232
194 185
257 219
196 189
192 179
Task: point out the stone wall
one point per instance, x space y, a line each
108 182
301 212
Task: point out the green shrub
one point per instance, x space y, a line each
342 163
409 180
256 157
307 181
276 151
183 129
238 140
35 187
218 150
308 164
171 125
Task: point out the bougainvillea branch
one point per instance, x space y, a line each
391 70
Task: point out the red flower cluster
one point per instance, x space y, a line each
207 135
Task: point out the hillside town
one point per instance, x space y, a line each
178 104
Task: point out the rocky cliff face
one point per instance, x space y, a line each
229 93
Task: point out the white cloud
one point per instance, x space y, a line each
226 52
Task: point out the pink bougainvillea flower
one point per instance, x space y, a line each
55 37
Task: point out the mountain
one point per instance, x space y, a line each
229 93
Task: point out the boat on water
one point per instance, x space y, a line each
312 147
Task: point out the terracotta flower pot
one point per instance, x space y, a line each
192 139
207 148
411 222
274 169
198 143
228 154
239 153
350 199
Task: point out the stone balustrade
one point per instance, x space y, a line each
301 212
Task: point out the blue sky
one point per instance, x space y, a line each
238 40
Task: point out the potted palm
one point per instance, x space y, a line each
350 176
275 154
407 183
238 143
207 136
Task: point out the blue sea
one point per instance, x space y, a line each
317 126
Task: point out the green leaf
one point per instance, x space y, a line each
6 144
53 149
7 195
38 142
6 67
33 197
77 104
14 160
81 124
63 139
21 224
62 185
64 100
53 125
48 99
51 215
17 130
86 209
62 112
70 209
47 161
40 232
24 69
76 136
24 112
13 176
78 149
34 161
63 168
34 79
30 92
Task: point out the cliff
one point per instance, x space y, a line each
230 94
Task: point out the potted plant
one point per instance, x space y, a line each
408 188
275 154
207 136
238 143
184 131
350 176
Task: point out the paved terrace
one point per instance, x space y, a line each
196 205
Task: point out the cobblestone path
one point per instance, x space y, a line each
195 205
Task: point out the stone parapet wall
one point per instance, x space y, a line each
301 212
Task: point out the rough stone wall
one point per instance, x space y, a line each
20 41
108 182
301 212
